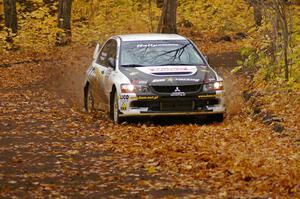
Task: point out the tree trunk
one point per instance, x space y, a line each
257 11
10 14
159 3
281 9
167 22
257 15
64 22
150 16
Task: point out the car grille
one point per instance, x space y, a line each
172 105
171 89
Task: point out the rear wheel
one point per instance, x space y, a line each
88 99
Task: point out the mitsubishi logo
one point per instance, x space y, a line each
177 89
177 93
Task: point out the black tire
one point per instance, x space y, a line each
216 117
114 108
88 99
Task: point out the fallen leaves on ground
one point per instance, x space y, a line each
50 147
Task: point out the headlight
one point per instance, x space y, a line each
218 86
130 88
212 86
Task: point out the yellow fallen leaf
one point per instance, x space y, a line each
62 101
152 170
72 152
188 167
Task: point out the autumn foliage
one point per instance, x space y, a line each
50 147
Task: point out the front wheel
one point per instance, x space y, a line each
114 109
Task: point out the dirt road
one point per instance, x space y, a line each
49 147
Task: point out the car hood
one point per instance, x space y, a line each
169 75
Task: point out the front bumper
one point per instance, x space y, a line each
154 105
171 114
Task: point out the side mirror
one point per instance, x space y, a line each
96 51
207 59
112 62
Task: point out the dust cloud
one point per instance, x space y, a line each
68 74
223 63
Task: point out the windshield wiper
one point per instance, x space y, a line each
132 65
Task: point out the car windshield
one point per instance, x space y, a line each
159 53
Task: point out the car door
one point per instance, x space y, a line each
91 77
110 70
99 69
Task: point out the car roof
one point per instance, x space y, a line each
150 37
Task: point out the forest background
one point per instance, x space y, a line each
267 33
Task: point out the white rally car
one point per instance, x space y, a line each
152 75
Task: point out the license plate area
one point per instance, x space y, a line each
172 105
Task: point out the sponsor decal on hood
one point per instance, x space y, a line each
168 75
166 70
